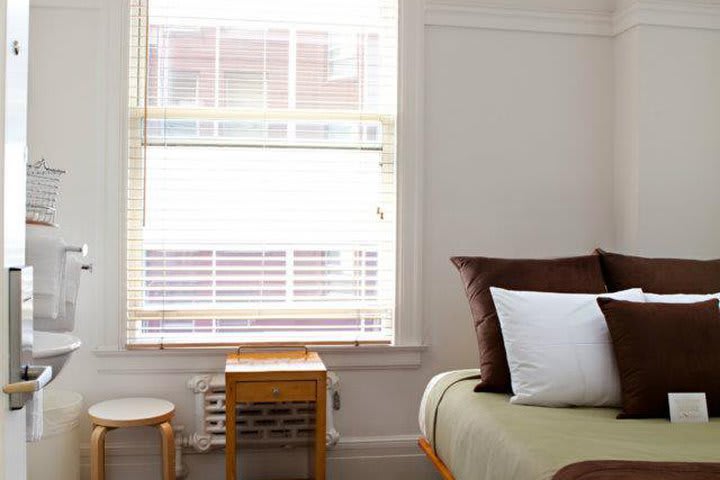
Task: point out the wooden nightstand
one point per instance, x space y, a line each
288 376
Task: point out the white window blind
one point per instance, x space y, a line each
261 199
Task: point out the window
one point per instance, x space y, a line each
261 191
243 89
342 56
182 88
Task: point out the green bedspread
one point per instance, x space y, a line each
480 436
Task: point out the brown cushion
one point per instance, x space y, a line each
660 275
562 275
662 348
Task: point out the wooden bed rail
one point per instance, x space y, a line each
437 463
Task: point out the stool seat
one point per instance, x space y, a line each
131 412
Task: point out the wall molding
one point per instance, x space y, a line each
410 183
354 458
667 13
495 16
379 446
67 4
347 447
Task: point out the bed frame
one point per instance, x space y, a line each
437 463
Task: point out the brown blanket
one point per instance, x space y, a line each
631 470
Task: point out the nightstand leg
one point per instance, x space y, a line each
320 428
230 450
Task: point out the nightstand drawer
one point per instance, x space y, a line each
289 391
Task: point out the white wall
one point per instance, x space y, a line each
667 145
520 156
518 148
679 142
626 172
519 134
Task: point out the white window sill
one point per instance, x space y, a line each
115 361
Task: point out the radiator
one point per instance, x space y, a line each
287 424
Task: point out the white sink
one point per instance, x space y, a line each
54 349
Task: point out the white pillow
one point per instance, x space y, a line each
679 297
559 348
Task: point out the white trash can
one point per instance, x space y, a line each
57 454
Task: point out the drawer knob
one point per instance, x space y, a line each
276 392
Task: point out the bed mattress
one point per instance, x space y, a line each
482 436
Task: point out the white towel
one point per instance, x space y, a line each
73 269
65 321
34 417
45 251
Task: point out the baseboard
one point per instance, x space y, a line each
354 458
375 447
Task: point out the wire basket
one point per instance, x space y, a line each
43 189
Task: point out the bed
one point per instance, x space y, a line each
481 436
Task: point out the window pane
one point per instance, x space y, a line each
243 89
261 171
342 56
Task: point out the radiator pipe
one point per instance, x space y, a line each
181 470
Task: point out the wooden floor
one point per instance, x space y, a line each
437 463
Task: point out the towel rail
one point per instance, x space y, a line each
83 249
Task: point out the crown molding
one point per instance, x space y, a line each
668 13
473 14
481 14
67 4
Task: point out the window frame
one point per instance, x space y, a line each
408 331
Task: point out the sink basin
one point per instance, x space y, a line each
54 349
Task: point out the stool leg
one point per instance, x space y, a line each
168 450
97 452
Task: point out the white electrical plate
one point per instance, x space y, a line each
688 407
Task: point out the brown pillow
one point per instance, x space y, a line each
561 275
659 275
662 348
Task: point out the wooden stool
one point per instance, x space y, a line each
131 412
